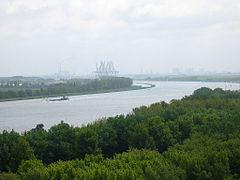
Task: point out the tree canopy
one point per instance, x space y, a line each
196 137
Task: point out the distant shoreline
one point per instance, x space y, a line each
156 80
223 79
81 93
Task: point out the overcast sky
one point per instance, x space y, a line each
137 35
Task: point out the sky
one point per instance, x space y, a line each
138 36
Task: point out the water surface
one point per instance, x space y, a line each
26 114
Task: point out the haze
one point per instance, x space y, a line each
137 35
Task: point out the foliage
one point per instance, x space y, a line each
9 176
135 164
68 87
85 142
197 137
13 149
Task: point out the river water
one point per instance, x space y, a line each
26 114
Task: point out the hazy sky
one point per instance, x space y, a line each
137 35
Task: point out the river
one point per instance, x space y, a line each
80 110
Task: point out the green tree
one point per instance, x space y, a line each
141 138
33 169
60 140
13 149
86 142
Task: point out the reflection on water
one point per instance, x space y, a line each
26 114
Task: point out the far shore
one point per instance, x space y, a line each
81 93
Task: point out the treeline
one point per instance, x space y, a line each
213 78
22 82
69 87
194 138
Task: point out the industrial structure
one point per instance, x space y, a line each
105 69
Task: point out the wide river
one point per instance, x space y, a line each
26 114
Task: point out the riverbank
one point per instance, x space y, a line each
210 78
81 110
135 87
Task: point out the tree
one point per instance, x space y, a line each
32 169
86 142
141 139
13 149
37 138
60 140
29 92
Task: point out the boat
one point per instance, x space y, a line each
64 98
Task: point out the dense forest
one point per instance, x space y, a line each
197 137
69 87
